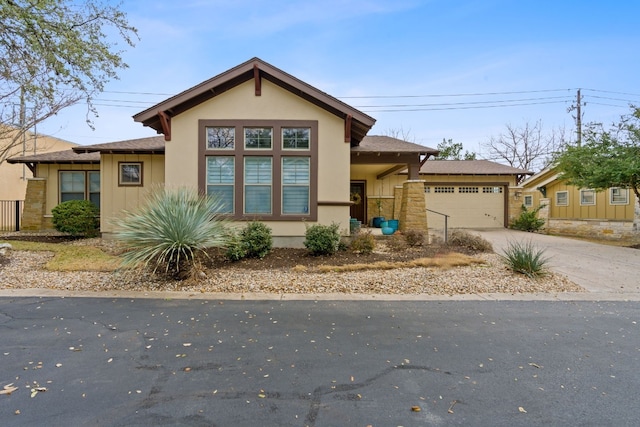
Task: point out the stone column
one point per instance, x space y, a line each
413 209
543 213
35 203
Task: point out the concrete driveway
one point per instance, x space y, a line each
598 268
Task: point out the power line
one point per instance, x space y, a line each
464 103
617 93
464 108
452 94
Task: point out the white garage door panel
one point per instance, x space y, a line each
466 210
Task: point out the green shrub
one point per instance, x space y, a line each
256 240
235 250
77 217
472 242
171 230
322 239
528 220
525 258
414 237
363 242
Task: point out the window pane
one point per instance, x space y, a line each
130 173
296 138
257 199
562 198
221 137
71 196
295 200
224 194
258 138
295 170
95 199
220 170
587 197
257 170
619 196
94 182
72 182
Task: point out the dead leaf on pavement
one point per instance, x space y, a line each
8 389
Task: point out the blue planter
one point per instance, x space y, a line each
388 231
393 223
377 221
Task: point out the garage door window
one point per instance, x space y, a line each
467 189
495 190
443 190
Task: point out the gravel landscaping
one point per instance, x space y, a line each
289 272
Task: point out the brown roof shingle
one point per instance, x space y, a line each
387 144
64 156
149 145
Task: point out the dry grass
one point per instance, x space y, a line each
444 262
71 257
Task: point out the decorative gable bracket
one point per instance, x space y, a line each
165 122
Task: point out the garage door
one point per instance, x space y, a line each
467 206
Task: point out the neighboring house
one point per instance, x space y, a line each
568 210
274 149
14 176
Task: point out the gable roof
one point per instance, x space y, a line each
469 167
252 69
149 145
387 144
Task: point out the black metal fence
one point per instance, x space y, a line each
10 213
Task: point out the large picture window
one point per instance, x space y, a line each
269 173
80 185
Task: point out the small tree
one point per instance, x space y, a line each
450 150
608 158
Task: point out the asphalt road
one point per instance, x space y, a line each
126 362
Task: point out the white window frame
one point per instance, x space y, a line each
299 184
624 191
566 194
584 199
210 186
262 184
297 129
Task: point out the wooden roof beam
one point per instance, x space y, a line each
165 122
257 80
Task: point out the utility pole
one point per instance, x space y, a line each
579 118
23 119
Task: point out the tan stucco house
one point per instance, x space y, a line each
275 149
569 210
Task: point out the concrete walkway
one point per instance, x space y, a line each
598 268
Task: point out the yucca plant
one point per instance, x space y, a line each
525 258
171 230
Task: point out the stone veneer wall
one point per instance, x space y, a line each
413 209
34 205
594 228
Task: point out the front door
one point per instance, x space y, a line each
357 196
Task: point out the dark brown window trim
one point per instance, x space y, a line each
276 152
125 184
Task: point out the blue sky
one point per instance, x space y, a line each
496 62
